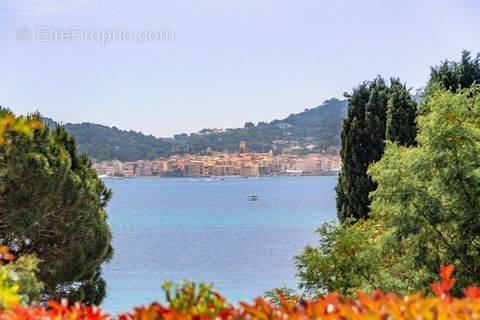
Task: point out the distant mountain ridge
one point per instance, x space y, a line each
317 128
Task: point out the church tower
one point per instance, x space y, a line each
242 147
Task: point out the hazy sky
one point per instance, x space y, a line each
230 61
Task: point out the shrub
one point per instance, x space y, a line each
196 302
333 306
18 284
9 124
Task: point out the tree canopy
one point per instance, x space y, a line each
454 75
424 211
401 114
424 190
52 204
428 196
376 112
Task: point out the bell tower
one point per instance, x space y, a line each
242 147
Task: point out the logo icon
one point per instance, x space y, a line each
24 34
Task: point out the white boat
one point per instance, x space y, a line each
253 197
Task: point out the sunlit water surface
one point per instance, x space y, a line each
207 230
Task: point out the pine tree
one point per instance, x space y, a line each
52 204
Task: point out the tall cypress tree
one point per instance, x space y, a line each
363 138
401 112
376 112
351 152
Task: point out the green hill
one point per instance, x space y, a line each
104 143
319 126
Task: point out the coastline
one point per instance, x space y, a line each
220 177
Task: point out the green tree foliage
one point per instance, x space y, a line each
341 262
104 143
452 75
351 201
18 283
10 124
321 126
401 113
428 197
248 125
375 112
424 212
199 299
52 204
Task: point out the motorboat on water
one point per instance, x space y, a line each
252 197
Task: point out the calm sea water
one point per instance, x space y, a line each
207 230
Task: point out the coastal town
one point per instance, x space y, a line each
220 164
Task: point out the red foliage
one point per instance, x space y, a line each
5 254
442 289
54 310
377 305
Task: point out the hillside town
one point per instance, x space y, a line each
220 164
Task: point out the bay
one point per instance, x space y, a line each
207 230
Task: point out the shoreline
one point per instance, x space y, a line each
219 178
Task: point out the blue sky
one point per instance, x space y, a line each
230 62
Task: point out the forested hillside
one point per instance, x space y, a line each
319 127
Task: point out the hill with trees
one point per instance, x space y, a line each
319 128
103 143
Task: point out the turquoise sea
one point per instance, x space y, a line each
207 230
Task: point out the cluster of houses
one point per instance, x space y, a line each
223 164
